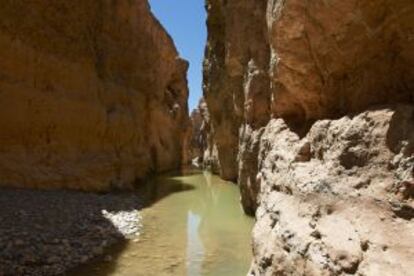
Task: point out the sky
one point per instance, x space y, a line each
185 21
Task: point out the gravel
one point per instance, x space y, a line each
52 232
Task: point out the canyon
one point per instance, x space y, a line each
307 105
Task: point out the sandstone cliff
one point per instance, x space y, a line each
202 146
93 94
311 110
338 201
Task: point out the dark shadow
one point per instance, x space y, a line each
50 232
184 171
300 128
400 140
400 130
162 186
100 265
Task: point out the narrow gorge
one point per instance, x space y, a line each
307 107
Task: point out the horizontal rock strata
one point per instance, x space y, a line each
93 94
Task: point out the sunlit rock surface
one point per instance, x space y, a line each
311 111
93 94
203 149
339 200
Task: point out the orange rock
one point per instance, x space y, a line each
93 94
277 75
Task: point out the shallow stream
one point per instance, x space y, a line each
193 226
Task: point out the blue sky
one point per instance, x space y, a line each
185 21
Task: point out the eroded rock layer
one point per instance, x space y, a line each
92 94
340 200
311 109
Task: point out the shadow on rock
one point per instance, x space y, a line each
400 135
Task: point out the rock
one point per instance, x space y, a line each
97 251
235 76
19 242
316 201
198 141
251 73
202 146
93 95
310 109
84 259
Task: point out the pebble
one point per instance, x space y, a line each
51 232
19 242
97 251
84 259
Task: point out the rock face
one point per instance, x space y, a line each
235 75
92 94
301 62
202 147
311 109
340 200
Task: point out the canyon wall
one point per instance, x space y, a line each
204 152
93 94
310 109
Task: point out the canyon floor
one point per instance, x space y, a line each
179 224
50 232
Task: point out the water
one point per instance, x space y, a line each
193 226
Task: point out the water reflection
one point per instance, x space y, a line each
195 248
193 226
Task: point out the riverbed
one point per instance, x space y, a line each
192 225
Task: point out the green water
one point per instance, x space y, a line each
193 226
